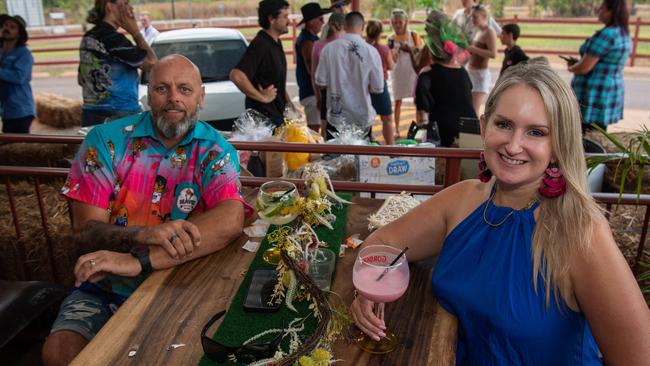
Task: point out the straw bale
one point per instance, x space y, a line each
34 154
33 238
58 111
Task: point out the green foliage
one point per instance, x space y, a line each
497 7
570 7
633 158
383 8
3 7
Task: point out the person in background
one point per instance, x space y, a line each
149 32
513 53
146 193
443 93
261 74
16 61
483 47
598 75
381 102
463 18
312 18
351 69
526 260
109 63
337 7
334 31
404 44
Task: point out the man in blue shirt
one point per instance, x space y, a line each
15 75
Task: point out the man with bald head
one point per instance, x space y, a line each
147 191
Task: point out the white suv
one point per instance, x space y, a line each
215 51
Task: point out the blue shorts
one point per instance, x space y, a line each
381 102
85 311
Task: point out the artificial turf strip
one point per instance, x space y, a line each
239 325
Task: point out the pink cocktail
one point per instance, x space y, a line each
390 288
378 279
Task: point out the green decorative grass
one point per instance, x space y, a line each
239 325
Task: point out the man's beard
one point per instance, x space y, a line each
173 130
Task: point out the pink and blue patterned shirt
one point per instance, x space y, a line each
124 168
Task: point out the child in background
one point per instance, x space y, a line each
513 53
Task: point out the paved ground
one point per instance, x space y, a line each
637 103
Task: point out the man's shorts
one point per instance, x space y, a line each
481 80
92 117
85 312
311 110
381 102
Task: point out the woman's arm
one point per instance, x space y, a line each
584 65
609 296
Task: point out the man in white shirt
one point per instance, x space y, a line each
148 30
350 69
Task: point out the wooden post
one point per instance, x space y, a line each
635 40
356 5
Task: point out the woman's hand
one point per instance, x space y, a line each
370 323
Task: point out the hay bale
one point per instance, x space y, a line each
58 111
33 238
33 154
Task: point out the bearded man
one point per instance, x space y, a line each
161 180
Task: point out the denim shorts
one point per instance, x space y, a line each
381 102
86 311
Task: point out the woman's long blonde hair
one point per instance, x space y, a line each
565 223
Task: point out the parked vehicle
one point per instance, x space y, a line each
215 51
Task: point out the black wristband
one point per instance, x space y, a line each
141 252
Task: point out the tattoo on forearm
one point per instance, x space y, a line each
97 235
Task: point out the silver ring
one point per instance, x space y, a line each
93 262
173 237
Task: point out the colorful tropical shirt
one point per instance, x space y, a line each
108 70
123 167
600 93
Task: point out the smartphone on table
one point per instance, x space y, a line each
260 290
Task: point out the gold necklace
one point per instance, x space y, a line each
491 199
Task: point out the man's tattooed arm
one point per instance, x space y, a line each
97 235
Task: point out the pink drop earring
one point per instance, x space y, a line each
484 174
553 184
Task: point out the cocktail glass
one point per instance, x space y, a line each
277 204
371 263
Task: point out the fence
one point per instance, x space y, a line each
453 158
636 39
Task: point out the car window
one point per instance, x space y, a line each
215 58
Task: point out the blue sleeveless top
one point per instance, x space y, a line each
484 278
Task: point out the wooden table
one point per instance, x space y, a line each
172 306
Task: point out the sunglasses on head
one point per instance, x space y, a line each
243 354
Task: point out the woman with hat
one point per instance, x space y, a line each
312 18
16 63
443 94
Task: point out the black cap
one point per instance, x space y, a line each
312 11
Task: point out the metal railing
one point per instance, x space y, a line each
453 158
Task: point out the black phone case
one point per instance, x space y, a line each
260 290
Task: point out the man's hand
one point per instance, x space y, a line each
179 238
93 267
268 94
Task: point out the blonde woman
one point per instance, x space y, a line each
482 49
527 262
404 44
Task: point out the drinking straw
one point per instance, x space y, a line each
392 263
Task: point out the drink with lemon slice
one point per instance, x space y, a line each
277 202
